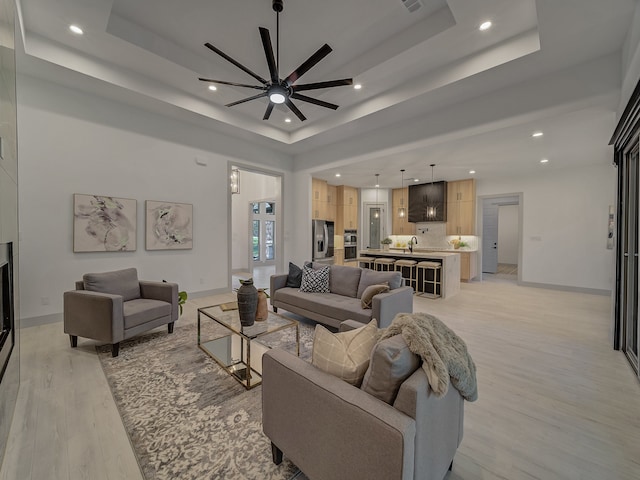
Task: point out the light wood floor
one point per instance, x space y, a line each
556 402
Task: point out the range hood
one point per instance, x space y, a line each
428 202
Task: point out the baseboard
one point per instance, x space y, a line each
41 320
206 293
565 288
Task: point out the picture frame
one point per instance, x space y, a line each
169 225
103 223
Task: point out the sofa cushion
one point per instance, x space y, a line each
315 281
344 280
371 291
330 305
294 279
143 310
345 354
391 364
371 277
120 282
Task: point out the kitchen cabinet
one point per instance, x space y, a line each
346 209
401 225
428 202
338 257
468 266
322 206
461 207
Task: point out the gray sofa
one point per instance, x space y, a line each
346 285
113 306
392 428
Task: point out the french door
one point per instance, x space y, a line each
628 259
263 233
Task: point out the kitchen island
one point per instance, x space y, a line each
450 271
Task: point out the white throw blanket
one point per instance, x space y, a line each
444 354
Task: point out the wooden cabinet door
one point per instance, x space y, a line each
468 269
332 199
466 190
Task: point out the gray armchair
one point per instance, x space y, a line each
114 306
331 429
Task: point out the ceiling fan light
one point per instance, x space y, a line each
277 97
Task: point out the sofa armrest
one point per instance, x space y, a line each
276 282
329 428
94 315
385 306
439 422
164 291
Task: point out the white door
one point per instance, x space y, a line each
374 224
489 237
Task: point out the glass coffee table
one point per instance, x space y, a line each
235 347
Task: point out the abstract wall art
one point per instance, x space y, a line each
104 224
169 225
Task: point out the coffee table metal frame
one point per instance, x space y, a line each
220 349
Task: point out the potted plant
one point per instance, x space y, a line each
385 243
182 298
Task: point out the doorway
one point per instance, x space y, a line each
501 226
256 248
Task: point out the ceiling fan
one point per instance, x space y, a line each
281 90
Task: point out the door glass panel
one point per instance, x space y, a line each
269 228
256 239
255 207
270 208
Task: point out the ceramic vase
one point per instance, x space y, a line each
262 311
247 302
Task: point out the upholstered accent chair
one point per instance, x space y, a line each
114 306
391 428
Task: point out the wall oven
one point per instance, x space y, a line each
350 244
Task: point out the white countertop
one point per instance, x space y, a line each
399 253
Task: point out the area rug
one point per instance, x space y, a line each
185 416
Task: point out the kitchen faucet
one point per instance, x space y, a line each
412 242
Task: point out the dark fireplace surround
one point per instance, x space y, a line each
7 335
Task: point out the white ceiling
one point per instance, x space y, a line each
411 66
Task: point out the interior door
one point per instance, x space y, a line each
489 236
629 277
374 224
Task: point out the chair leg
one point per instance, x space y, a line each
451 466
276 454
74 340
275 309
115 349
170 326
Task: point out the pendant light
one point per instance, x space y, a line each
431 209
402 212
377 212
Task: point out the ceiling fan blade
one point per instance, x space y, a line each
231 60
295 110
327 84
315 101
222 82
260 95
267 114
322 52
268 52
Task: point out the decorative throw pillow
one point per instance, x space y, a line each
345 354
371 291
391 364
294 279
315 281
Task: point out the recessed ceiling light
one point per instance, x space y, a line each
544 160
288 120
338 175
472 172
357 86
485 26
76 29
213 88
537 134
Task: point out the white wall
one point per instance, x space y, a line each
630 61
253 187
564 224
508 234
72 142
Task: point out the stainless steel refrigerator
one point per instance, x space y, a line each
322 233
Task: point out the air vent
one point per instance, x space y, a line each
412 5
